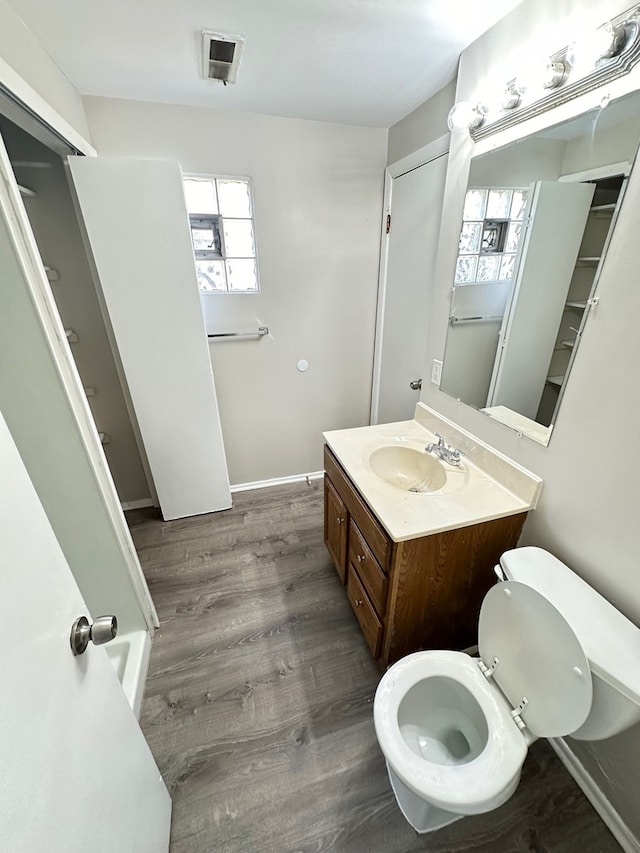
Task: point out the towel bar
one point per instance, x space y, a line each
235 336
455 321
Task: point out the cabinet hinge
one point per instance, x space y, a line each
388 223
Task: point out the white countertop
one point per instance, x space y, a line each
486 486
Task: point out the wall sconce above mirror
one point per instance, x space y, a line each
595 58
538 218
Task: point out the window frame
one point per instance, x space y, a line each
217 219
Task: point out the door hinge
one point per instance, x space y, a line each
388 223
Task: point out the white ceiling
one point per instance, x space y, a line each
367 62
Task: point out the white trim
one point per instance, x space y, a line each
621 832
142 503
141 675
426 154
46 312
20 89
277 481
438 148
613 169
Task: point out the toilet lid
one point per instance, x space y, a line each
539 657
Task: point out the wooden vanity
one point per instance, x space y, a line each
421 593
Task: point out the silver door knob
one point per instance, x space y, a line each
416 385
103 629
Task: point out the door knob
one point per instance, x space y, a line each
416 385
103 629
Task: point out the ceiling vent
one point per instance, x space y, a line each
221 56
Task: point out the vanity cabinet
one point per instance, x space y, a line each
423 593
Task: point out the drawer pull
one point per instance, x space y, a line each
358 602
361 558
340 520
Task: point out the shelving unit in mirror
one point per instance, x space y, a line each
606 199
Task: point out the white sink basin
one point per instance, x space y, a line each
408 469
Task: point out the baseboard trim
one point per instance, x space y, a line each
143 503
277 481
621 832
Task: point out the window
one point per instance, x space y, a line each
490 234
221 218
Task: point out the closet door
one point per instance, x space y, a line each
554 228
137 232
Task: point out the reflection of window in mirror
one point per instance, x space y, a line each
490 234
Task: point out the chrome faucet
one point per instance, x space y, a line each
445 451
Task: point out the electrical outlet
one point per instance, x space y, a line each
436 372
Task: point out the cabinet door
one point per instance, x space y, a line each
335 528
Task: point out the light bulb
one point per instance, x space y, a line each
464 116
603 43
540 75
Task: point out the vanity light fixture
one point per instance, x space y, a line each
554 74
465 116
593 60
511 98
604 43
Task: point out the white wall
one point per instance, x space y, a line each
24 54
421 126
614 145
318 199
588 513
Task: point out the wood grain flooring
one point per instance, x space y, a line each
258 706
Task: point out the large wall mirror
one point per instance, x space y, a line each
537 221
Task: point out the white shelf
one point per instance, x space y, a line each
603 208
576 304
26 192
555 380
569 344
589 261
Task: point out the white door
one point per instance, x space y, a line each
415 208
555 224
77 774
138 235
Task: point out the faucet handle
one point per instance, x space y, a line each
441 441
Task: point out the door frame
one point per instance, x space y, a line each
438 148
23 100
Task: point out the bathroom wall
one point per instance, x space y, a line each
318 199
420 127
588 510
610 146
24 55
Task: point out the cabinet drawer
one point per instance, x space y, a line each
373 532
369 572
365 614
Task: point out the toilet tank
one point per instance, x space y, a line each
611 642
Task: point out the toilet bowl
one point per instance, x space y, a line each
455 730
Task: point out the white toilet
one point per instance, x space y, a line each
555 659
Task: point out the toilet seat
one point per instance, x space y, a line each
472 788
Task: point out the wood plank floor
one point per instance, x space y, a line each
258 706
